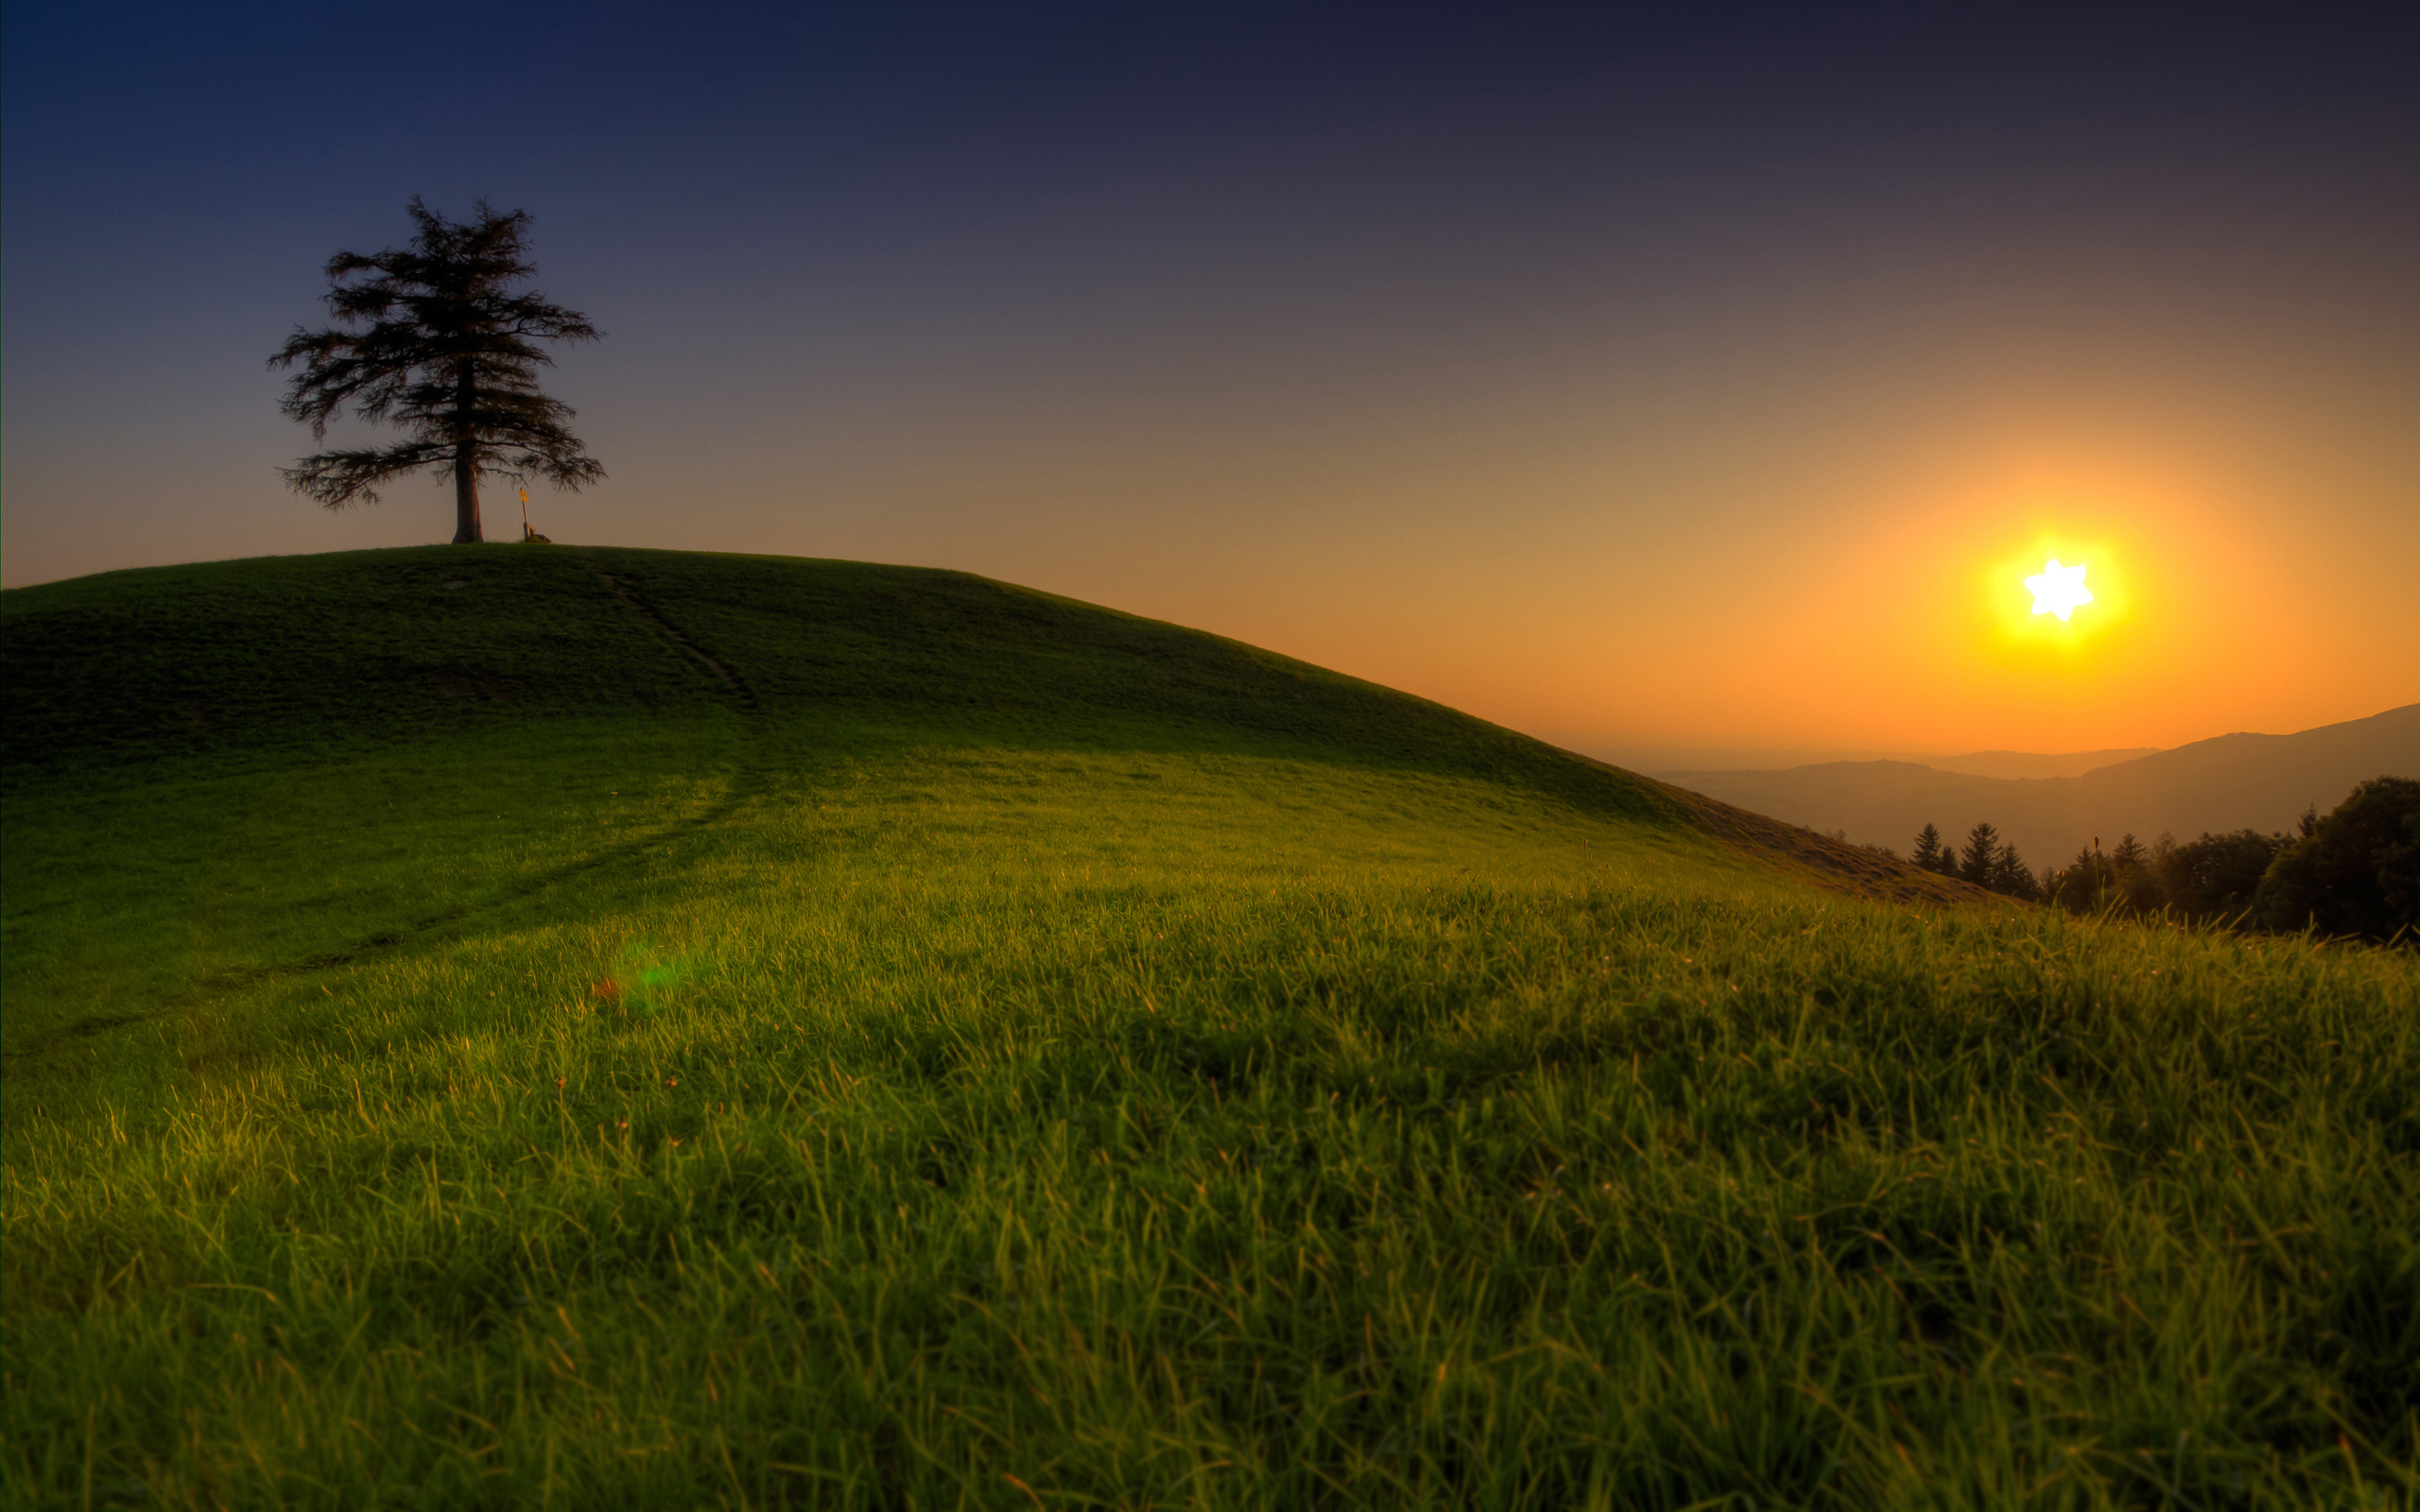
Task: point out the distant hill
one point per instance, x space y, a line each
2229 782
2026 764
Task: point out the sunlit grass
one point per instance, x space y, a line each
887 1121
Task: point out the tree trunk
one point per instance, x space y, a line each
466 498
466 464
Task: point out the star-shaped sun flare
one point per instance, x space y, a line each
2059 590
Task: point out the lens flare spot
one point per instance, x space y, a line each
2058 589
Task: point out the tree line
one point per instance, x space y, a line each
2355 871
1985 860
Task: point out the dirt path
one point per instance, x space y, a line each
664 628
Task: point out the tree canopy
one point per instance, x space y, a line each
2355 872
431 338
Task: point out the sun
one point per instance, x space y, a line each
2058 589
2031 595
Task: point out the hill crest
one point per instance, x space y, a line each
282 660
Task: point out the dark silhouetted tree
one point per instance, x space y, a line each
431 340
1975 858
2217 875
2357 872
2085 884
1929 850
2128 880
2139 876
2011 877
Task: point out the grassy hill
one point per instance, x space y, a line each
542 1025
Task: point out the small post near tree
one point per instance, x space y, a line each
430 338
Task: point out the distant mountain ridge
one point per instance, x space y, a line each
2026 764
2227 782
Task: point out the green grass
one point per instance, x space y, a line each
462 1051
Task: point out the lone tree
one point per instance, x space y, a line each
432 342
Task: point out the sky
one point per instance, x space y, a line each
1691 386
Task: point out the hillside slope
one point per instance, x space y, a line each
287 659
2229 782
506 1026
215 770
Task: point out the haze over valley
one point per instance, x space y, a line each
2227 782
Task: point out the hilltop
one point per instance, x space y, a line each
513 719
291 664
500 1025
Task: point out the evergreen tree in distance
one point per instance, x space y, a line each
1929 850
2011 877
431 340
1981 852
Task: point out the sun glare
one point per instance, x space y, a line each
2059 590
2034 600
